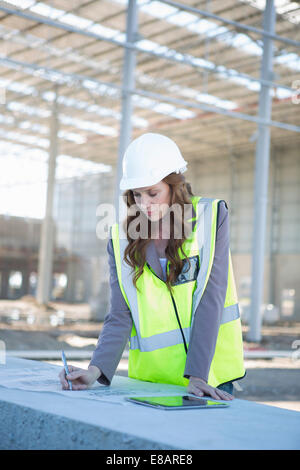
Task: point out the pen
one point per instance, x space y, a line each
66 368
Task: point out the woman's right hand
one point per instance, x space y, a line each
81 379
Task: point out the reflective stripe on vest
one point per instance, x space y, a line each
170 338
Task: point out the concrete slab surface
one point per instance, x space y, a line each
37 414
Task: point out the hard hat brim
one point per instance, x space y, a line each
132 183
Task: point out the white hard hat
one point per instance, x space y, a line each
150 158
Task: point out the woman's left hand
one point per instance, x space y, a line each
200 388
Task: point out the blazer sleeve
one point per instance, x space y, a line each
208 313
116 328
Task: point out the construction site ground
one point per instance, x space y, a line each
25 326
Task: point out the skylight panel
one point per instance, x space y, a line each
34 127
72 102
242 41
37 42
173 88
30 110
146 79
6 119
52 75
91 84
82 165
93 108
107 90
143 101
24 125
244 81
20 88
283 93
100 88
210 29
147 45
158 9
28 139
164 108
21 3
46 10
41 129
183 114
121 37
75 20
88 125
189 93
48 95
291 60
287 7
293 16
72 137
182 18
67 101
199 61
107 112
7 34
102 30
202 26
215 101
140 122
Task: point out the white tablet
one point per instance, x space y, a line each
181 402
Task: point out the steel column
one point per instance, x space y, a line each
261 179
47 231
128 84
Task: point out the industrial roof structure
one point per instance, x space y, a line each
196 75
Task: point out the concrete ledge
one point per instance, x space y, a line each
31 429
74 354
102 419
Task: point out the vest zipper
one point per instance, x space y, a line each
175 308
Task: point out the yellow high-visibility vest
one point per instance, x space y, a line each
162 322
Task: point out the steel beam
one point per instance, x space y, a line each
172 57
79 79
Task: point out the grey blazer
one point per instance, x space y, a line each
118 321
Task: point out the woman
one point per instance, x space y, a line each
173 296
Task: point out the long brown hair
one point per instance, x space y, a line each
135 252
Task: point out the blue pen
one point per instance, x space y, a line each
66 368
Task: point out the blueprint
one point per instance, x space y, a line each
44 378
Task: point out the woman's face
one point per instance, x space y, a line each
154 200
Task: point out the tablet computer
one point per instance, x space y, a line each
181 402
